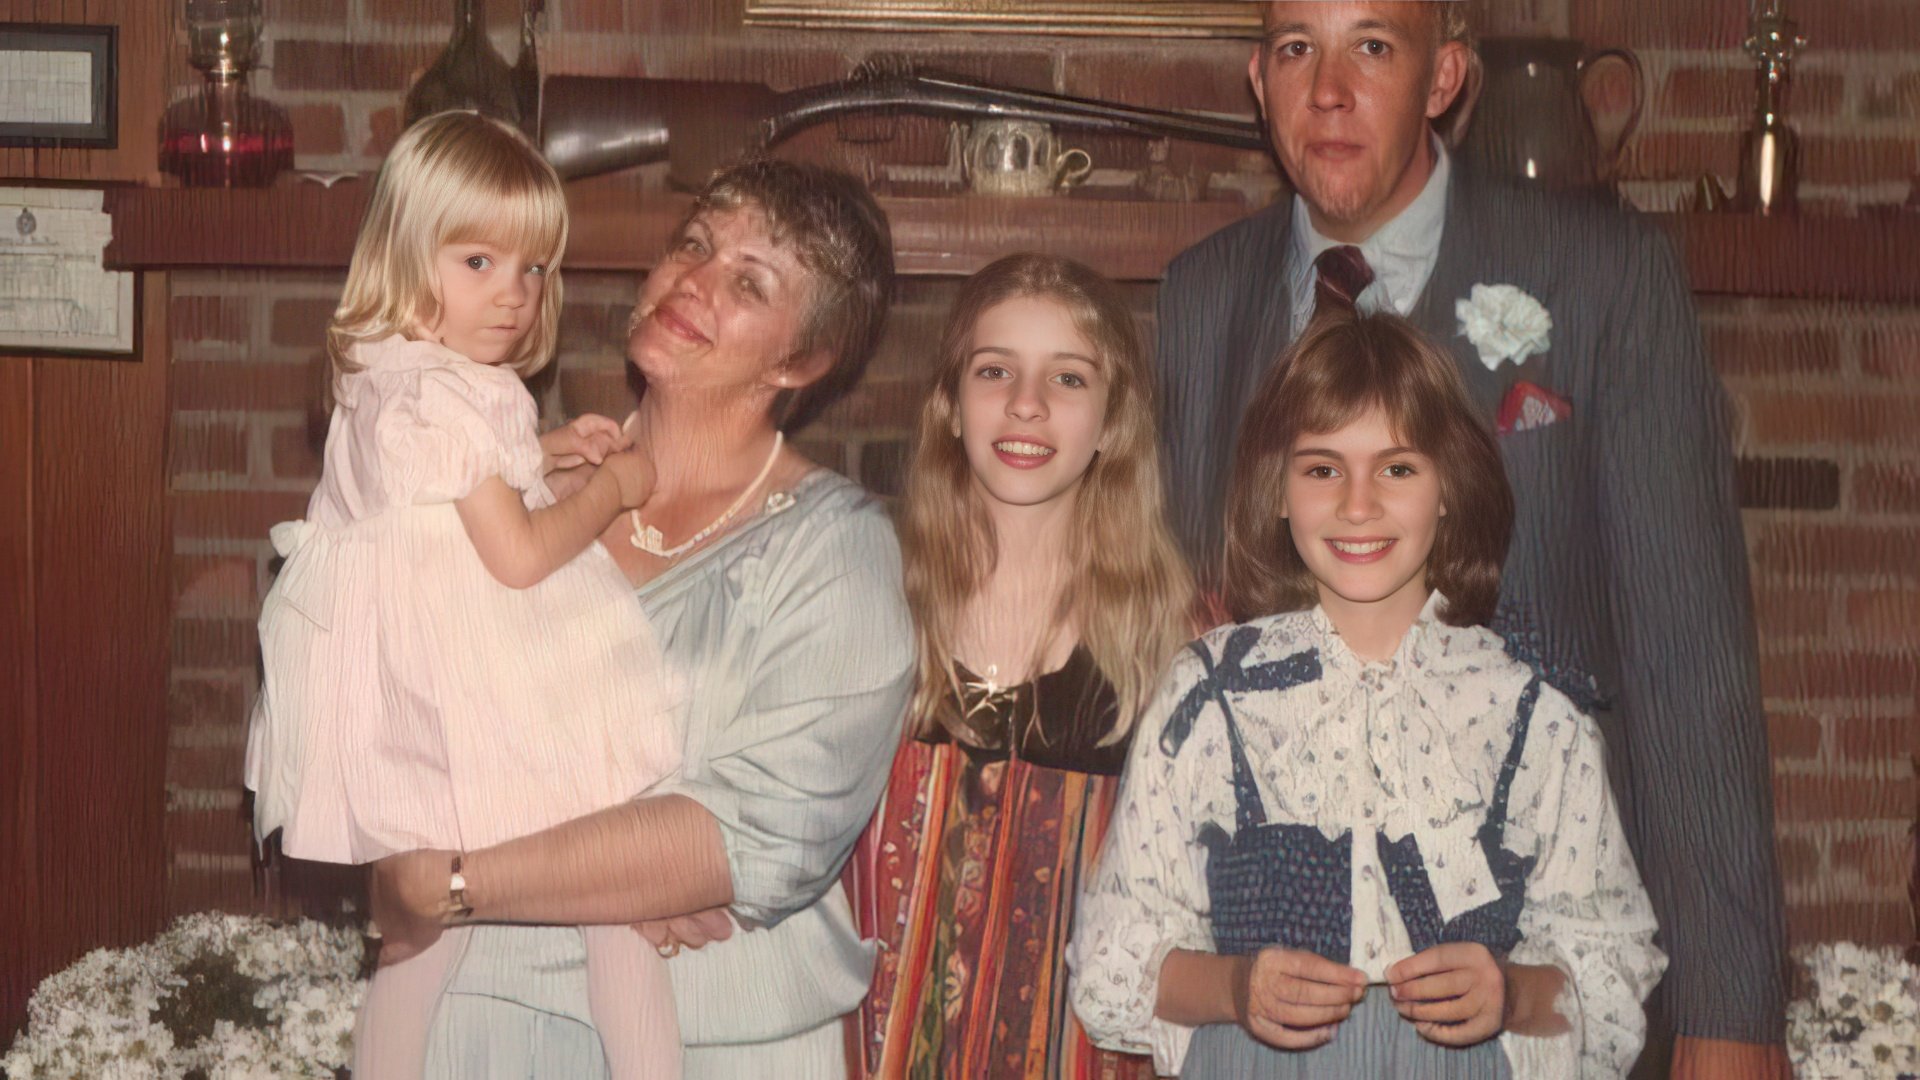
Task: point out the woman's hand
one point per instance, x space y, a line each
1293 999
411 902
1455 994
585 440
669 936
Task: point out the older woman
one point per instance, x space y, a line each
774 586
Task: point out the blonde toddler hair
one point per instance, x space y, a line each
454 177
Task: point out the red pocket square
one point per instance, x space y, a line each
1528 406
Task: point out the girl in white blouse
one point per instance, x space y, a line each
1356 838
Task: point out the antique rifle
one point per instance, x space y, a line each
592 125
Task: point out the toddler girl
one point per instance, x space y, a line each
450 660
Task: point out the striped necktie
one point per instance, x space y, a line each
1341 274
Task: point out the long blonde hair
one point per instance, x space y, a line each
454 177
1128 590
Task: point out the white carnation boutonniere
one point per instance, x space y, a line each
1504 323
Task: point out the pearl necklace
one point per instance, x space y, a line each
649 539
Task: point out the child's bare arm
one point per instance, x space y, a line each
520 547
585 440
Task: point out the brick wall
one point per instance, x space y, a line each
1855 98
1825 390
1826 393
341 66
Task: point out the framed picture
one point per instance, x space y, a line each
57 85
1157 18
55 295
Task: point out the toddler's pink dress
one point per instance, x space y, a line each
412 701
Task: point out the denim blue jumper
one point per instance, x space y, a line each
1288 885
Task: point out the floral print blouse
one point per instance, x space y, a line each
1412 746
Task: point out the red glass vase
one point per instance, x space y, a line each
223 136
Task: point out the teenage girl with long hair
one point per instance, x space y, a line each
1048 595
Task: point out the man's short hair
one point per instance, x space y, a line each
1452 21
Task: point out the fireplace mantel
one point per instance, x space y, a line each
616 227
620 228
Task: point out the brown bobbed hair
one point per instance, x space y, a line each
841 236
1344 365
1127 589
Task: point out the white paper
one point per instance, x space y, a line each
46 87
54 292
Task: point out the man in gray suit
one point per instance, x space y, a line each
1627 578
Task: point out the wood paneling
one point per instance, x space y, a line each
149 65
84 608
18 786
100 586
84 552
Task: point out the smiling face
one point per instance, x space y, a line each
1347 90
1363 509
1032 399
721 313
488 298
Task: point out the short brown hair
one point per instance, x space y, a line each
1452 22
841 236
1344 365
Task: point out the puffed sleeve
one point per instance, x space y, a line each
1586 911
440 431
1147 896
794 777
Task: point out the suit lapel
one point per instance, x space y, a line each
1266 304
1462 264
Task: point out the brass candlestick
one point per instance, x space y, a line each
1770 151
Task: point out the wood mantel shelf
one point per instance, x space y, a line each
620 228
616 227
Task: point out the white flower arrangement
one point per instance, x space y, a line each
157 1011
224 997
1503 323
1861 1017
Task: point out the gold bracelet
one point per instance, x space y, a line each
457 892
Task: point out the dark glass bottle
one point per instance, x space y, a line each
526 70
468 75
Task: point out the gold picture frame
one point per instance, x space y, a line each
1094 18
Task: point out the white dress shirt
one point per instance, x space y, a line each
1402 252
